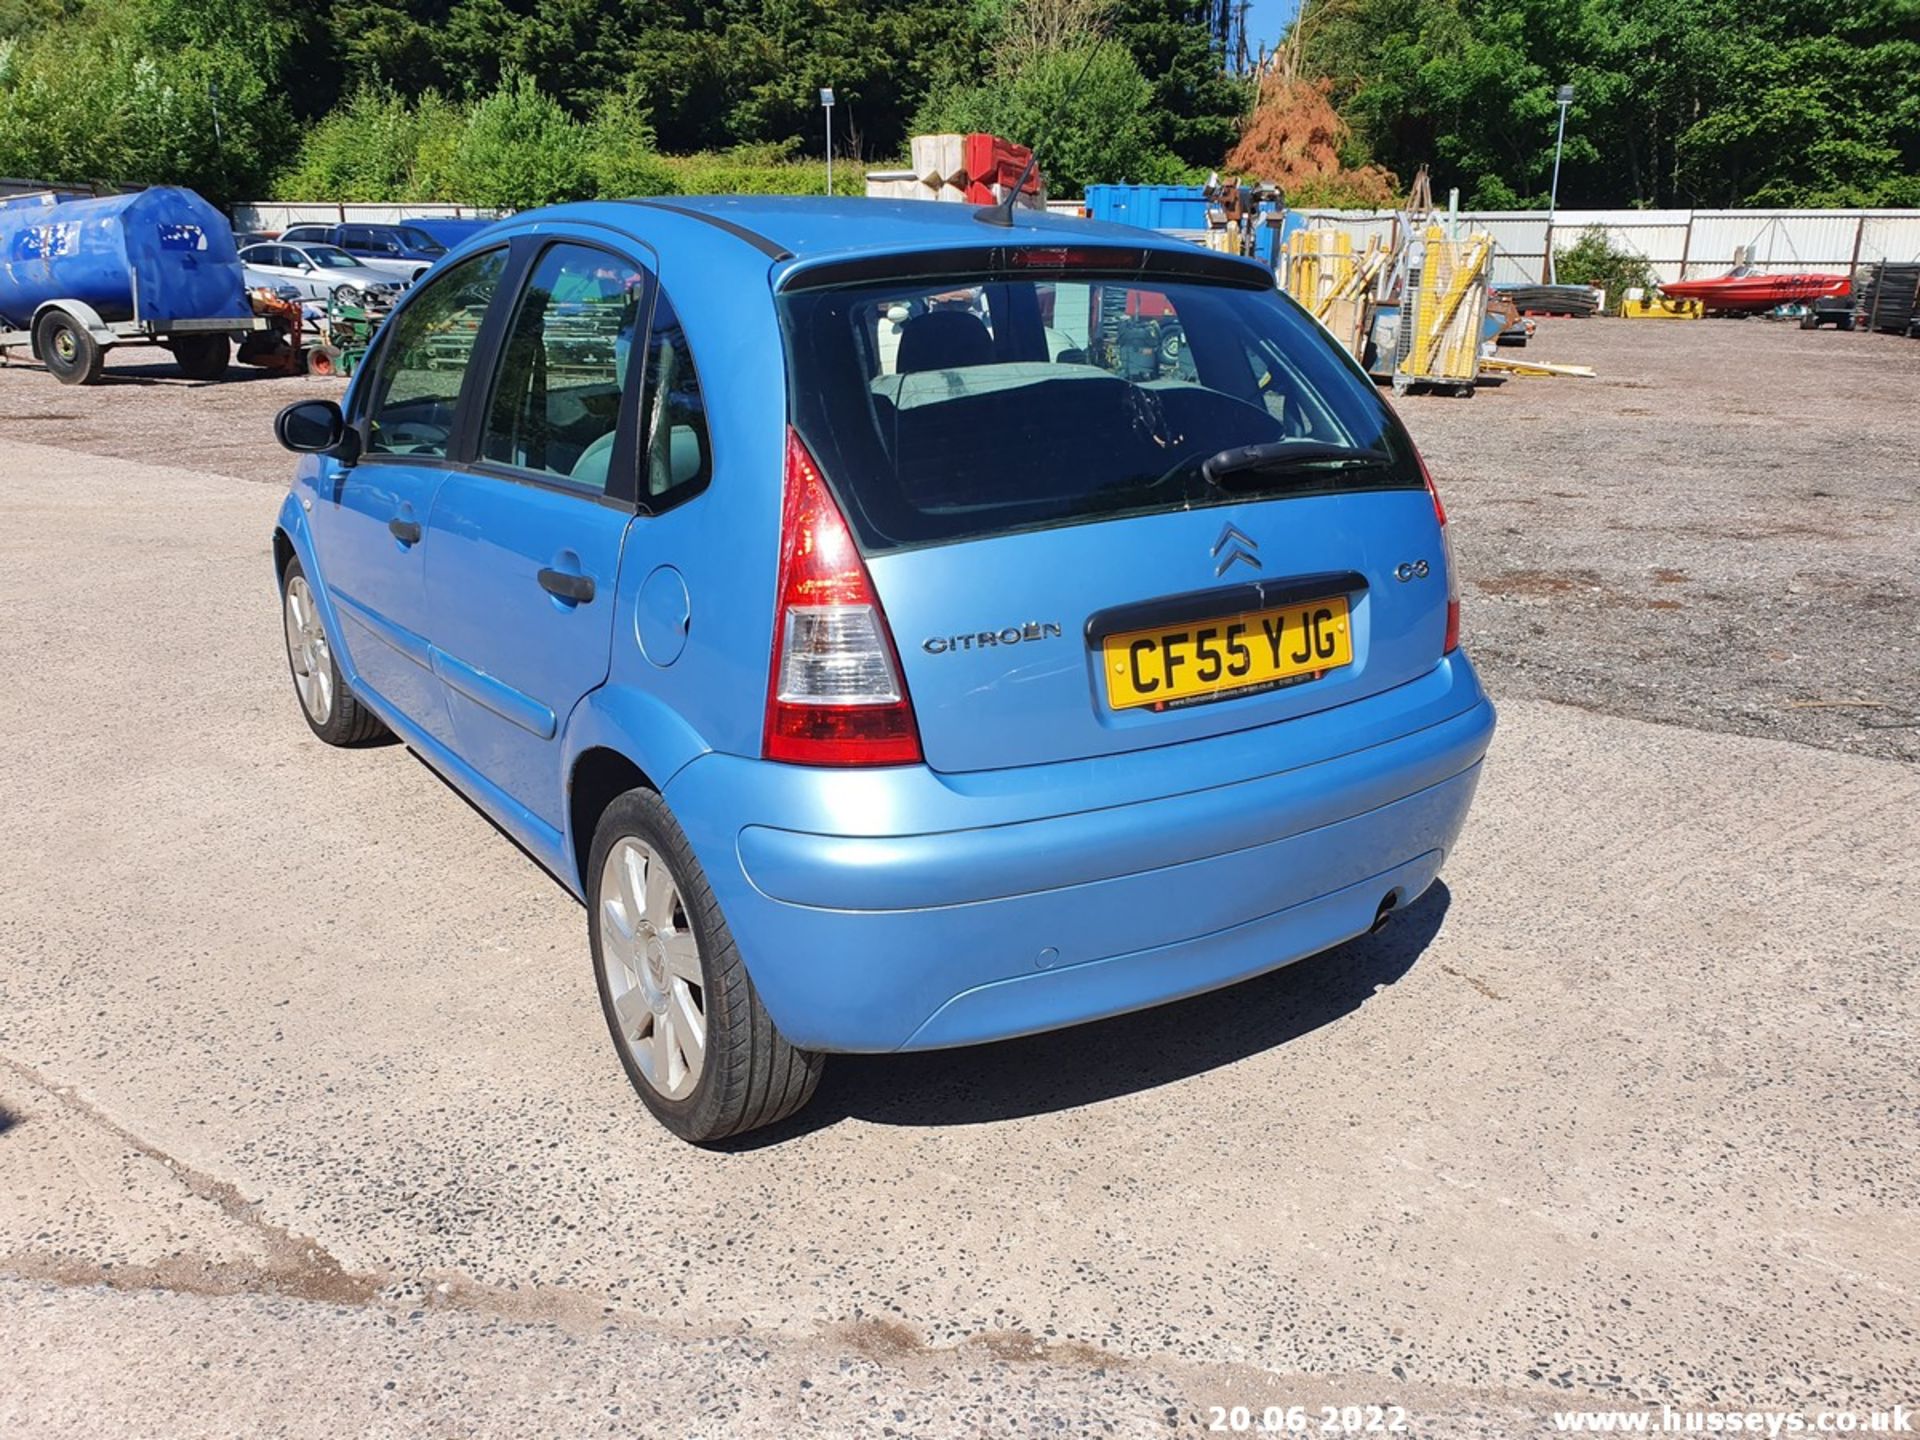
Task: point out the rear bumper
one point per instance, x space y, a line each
872 916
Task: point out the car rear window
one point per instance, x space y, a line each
975 404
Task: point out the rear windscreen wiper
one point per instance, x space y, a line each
1282 455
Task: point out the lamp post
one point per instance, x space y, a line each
826 104
1563 100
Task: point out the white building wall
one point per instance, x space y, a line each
1680 243
277 215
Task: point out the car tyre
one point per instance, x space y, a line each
333 713
72 355
653 925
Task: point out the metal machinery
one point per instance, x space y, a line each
1238 210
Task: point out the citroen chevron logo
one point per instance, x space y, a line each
1234 544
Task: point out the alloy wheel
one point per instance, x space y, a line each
307 650
652 968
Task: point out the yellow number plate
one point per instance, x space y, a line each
1233 655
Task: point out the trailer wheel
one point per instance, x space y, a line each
72 355
202 356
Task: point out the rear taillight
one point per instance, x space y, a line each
836 696
1452 642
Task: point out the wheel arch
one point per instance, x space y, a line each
619 738
600 775
78 311
283 553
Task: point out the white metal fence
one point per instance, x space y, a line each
1678 243
277 215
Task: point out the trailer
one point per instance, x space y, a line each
79 276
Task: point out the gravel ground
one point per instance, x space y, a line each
309 1125
1719 532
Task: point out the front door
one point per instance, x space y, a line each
371 524
523 552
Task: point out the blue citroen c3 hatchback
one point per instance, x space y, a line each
899 630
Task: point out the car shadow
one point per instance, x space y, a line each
160 372
1103 1060
7 1120
1064 1069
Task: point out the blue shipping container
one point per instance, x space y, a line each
1152 207
155 255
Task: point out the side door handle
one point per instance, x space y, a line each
567 586
406 531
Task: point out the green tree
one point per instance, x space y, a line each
95 102
620 154
1593 259
520 149
1677 102
378 146
1195 106
1086 110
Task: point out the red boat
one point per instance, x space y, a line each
1748 289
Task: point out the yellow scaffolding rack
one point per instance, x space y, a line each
1334 284
1443 312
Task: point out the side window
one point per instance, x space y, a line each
679 453
353 237
556 399
410 409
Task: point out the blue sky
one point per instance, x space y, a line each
1265 20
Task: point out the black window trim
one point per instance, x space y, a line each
483 346
651 505
772 249
463 444
623 480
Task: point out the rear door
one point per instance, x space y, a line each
370 524
1040 465
525 542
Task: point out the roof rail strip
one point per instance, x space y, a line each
754 238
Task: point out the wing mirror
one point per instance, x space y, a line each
317 427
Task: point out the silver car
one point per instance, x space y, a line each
317 272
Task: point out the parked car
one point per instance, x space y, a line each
405 251
317 272
881 699
448 230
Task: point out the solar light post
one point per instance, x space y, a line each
826 104
1564 99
